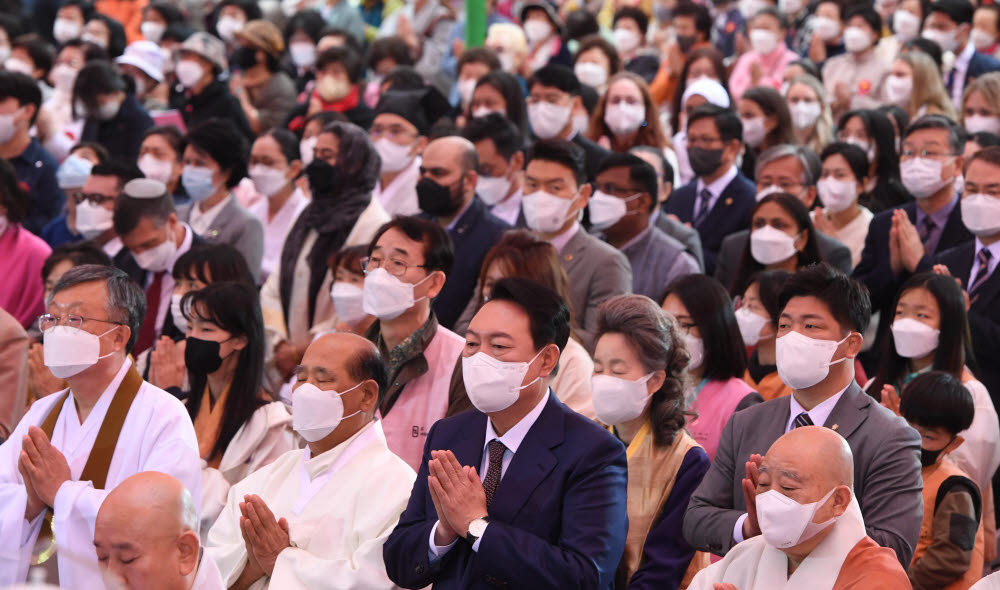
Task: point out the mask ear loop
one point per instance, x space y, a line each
99 357
536 379
831 363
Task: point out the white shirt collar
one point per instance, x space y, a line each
562 239
513 438
202 220
818 414
184 247
962 59
719 184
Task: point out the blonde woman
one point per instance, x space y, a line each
811 116
981 104
914 83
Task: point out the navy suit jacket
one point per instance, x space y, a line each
558 519
731 213
474 234
980 64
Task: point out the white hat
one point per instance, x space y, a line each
145 55
711 90
145 188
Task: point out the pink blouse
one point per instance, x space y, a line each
22 289
714 405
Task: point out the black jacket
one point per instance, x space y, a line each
121 135
214 102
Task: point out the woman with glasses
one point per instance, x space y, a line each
715 388
23 252
757 316
296 296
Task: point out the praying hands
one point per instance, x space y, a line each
457 493
44 470
265 536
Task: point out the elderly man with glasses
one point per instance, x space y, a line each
73 447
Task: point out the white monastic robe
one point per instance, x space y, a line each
755 565
340 507
208 577
157 436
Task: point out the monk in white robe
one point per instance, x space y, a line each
318 517
813 535
109 425
147 537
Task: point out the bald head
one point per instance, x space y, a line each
152 498
453 149
821 451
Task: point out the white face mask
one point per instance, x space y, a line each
303 54
805 113
494 385
914 339
922 177
804 361
825 28
946 40
898 89
157 259
268 181
769 245
306 147
591 74
227 27
69 351
981 214
177 313
749 8
981 40
92 220
64 30
63 76
155 169
465 89
696 348
386 296
626 40
770 190
977 123
837 195
316 412
8 126
762 41
624 118
152 31
905 25
536 31
790 7
109 110
395 157
4 53
750 325
188 72
786 523
548 119
492 189
348 302
581 123
618 400
73 172
607 210
545 212
18 66
483 111
856 39
753 131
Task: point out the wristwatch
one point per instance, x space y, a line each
476 529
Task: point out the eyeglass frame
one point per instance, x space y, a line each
406 266
59 321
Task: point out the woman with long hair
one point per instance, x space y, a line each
757 316
766 123
841 182
872 131
915 84
812 119
500 92
625 115
705 62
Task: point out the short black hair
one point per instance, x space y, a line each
129 212
403 78
580 24
727 121
478 55
86 7
846 298
172 135
308 21
213 263
711 309
116 34
223 142
937 400
956 135
439 252
39 50
368 363
392 47
170 13
561 152
869 14
249 8
123 170
635 14
13 197
857 159
555 76
349 39
702 18
926 46
22 88
984 139
959 11
94 79
640 172
548 313
287 142
772 12
769 286
78 254
345 56
897 114
504 134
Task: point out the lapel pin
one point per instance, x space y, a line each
729 201
569 257
836 427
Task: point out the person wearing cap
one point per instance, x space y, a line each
112 116
544 30
202 61
266 93
399 132
143 61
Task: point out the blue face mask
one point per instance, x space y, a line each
197 183
73 172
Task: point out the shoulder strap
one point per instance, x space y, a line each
960 483
99 461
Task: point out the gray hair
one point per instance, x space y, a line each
126 302
653 334
811 166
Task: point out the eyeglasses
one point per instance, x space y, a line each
393 266
621 192
908 153
48 321
94 198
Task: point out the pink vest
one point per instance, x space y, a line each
714 405
423 400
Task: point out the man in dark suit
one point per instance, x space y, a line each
522 492
446 192
823 316
949 23
720 199
554 92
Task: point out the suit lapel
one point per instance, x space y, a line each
573 251
850 411
470 451
532 462
954 232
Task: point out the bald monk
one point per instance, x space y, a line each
813 535
318 517
146 536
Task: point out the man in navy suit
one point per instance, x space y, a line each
524 492
720 200
948 24
446 192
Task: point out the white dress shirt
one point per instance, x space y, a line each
167 284
562 239
276 228
510 208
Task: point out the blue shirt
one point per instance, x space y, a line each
36 168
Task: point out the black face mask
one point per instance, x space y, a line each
928 458
704 161
202 356
321 175
244 58
436 199
685 42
